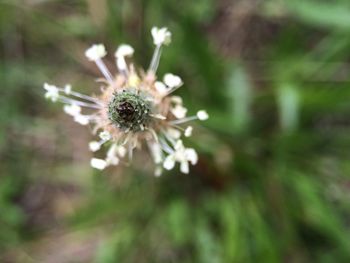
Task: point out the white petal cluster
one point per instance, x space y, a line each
182 155
96 52
161 36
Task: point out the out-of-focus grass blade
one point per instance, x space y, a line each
231 221
330 15
288 103
240 95
316 211
209 250
178 221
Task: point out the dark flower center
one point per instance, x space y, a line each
129 110
126 110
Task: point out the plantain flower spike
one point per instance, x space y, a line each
133 109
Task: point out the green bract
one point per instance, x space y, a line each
130 110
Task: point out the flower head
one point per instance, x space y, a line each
132 110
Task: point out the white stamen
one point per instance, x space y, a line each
96 52
158 116
68 89
179 111
191 156
172 81
187 119
155 59
121 151
130 151
161 36
72 109
202 115
78 103
94 146
156 152
81 119
99 164
176 99
124 51
52 92
85 97
105 135
112 155
154 134
104 70
188 131
173 133
158 171
122 66
169 162
161 88
184 167
165 146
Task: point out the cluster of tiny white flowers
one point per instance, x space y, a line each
162 136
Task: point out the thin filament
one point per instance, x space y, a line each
155 59
104 70
191 118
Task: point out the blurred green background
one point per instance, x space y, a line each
272 183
